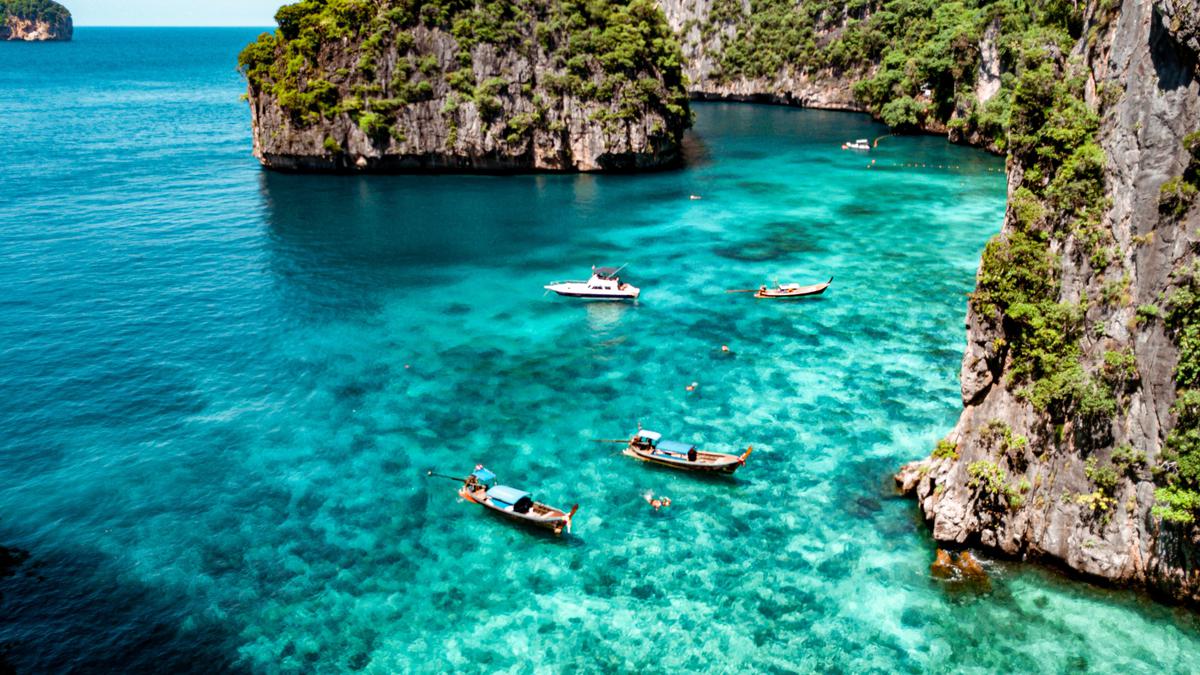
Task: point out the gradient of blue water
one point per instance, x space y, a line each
222 389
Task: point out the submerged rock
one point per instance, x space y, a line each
961 567
10 560
943 567
35 21
970 567
525 85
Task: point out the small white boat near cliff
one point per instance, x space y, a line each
604 285
860 144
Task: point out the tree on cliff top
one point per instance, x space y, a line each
614 51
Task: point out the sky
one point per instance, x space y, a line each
173 12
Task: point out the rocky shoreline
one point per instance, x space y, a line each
1079 493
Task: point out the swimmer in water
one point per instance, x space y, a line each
656 502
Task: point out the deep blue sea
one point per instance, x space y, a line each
222 389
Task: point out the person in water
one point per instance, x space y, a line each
656 502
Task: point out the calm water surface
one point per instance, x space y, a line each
222 389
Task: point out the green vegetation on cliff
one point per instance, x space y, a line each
621 53
1051 133
1178 498
920 59
38 10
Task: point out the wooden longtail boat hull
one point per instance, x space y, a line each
798 292
540 516
706 462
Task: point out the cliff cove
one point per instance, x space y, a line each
287 355
1077 444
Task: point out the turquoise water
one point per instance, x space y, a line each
223 388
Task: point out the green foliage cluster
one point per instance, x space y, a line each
925 52
928 57
1146 313
1009 443
1177 194
992 482
1178 498
776 34
945 449
37 10
1120 367
1052 134
605 55
1128 461
620 52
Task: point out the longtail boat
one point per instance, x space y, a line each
785 291
481 488
649 446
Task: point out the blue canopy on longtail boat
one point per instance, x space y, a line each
484 476
506 495
675 446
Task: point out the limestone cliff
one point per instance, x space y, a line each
1081 481
1078 441
35 21
706 28
443 85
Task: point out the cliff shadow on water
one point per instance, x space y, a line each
381 230
77 610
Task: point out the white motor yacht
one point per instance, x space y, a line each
604 285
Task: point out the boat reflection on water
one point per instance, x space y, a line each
603 317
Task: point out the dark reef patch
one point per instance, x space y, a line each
69 611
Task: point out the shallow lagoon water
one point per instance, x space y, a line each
223 388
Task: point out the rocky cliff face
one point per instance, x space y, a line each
707 27
35 21
528 85
1073 375
1077 485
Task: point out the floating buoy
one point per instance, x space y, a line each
725 348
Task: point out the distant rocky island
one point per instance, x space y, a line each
35 21
537 85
